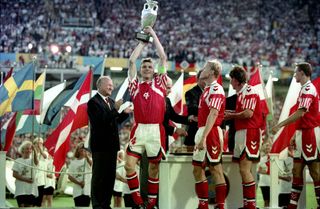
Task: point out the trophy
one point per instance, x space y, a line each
148 18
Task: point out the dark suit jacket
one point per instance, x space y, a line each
192 100
170 114
104 122
231 105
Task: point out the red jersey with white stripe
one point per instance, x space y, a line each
212 97
149 99
309 99
248 98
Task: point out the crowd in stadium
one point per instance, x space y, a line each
278 32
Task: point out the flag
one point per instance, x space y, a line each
16 94
176 94
257 82
121 92
48 97
9 128
282 138
56 106
9 74
33 123
185 66
38 95
316 83
75 118
188 84
269 94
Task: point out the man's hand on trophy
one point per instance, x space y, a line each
150 31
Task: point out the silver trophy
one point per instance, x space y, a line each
148 18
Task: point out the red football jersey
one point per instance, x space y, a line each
309 100
212 97
248 98
149 99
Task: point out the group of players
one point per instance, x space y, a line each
148 96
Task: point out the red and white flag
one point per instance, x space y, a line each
175 95
257 82
282 138
75 118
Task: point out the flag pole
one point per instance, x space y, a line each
41 100
103 65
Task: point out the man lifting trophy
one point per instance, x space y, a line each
148 18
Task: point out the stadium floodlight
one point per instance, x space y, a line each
116 68
30 46
54 48
68 48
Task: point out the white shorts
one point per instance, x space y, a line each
247 141
214 146
308 144
149 138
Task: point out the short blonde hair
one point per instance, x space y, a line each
215 66
23 146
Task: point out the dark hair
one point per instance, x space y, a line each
305 68
239 74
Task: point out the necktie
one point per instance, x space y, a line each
108 102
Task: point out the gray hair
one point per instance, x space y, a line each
101 79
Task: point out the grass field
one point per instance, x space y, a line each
67 201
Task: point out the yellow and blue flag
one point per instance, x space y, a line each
16 94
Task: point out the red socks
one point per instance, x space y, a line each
249 195
133 183
202 190
221 193
153 188
297 185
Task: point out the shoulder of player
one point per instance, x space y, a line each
216 88
250 90
309 89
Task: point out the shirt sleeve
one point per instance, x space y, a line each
306 98
161 80
250 101
133 86
216 98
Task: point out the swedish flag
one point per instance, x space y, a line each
16 94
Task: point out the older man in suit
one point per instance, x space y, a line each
104 141
192 100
